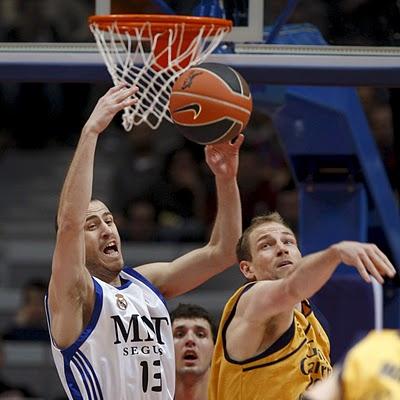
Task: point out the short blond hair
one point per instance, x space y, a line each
243 251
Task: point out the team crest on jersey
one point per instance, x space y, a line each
122 304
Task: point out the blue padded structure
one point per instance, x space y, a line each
331 148
351 307
305 34
344 190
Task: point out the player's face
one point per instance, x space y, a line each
274 252
193 346
102 241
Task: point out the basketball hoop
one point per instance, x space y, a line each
151 51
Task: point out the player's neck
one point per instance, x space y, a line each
113 279
192 389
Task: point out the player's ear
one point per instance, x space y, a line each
247 269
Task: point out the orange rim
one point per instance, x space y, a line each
159 23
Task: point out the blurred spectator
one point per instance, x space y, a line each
140 224
30 321
395 105
288 207
376 104
368 98
310 11
258 197
262 137
263 171
70 18
137 170
180 198
46 20
63 104
7 389
363 22
382 127
30 24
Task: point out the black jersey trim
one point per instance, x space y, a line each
306 308
277 361
307 328
228 321
279 344
320 317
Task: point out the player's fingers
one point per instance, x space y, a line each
362 271
208 149
212 156
121 95
238 141
128 102
383 257
371 268
116 88
379 263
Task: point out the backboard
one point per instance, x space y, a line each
49 41
247 15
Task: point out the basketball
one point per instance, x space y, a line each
211 103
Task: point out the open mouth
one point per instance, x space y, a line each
284 263
190 355
111 249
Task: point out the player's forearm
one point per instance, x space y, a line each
311 273
327 389
77 189
228 222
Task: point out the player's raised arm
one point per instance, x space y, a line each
309 274
71 287
194 268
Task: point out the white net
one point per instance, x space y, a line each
133 60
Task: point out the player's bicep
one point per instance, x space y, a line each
156 273
185 272
182 274
265 300
69 277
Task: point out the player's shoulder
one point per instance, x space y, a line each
379 342
380 336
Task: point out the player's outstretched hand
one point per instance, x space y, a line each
116 99
367 258
223 158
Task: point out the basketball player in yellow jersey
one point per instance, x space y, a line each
370 371
270 345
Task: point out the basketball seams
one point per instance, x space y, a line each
214 121
243 84
212 100
248 97
239 80
219 101
221 138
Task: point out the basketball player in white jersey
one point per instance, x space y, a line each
110 328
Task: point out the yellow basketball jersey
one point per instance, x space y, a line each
371 369
284 371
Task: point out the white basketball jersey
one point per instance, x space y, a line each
126 352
